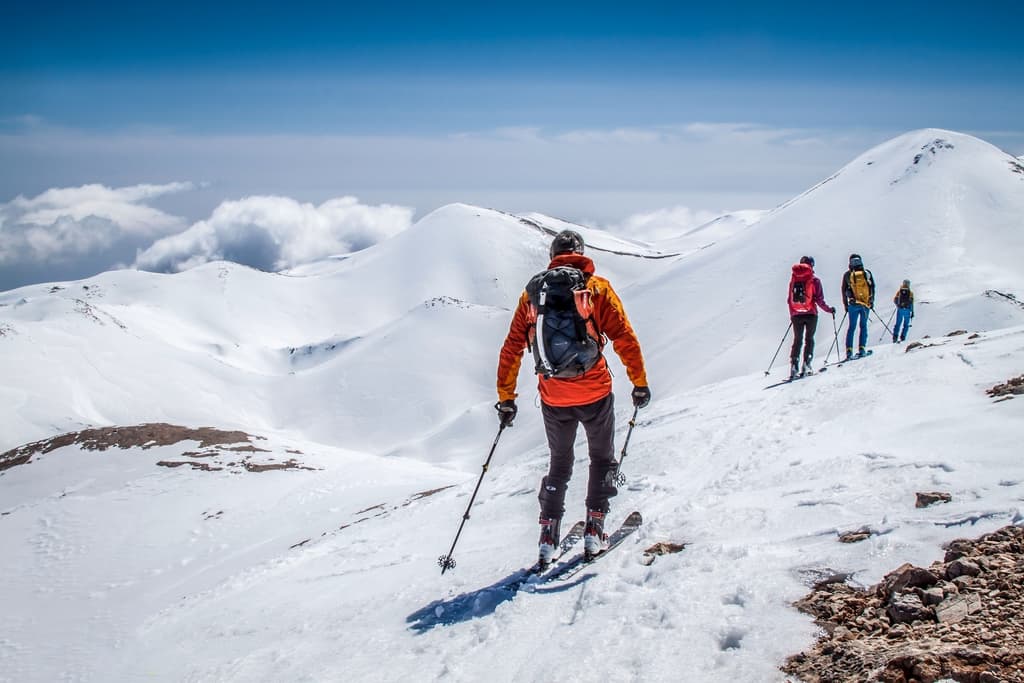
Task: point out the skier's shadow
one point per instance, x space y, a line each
481 602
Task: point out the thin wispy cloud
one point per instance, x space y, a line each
661 224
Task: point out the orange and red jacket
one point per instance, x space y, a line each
596 383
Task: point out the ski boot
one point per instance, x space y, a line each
548 544
861 352
794 369
595 540
807 369
849 353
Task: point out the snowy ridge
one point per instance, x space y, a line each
376 372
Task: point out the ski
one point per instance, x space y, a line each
530 574
566 570
790 380
852 358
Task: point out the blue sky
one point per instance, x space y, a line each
450 67
590 111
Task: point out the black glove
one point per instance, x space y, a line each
506 412
641 396
833 311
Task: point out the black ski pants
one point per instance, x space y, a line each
560 424
804 326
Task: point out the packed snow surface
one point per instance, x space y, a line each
374 374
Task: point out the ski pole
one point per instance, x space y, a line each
620 478
882 321
445 561
836 330
779 349
890 320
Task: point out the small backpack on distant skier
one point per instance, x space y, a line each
563 337
801 290
904 299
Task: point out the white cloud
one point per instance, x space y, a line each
122 206
630 136
654 226
93 224
273 233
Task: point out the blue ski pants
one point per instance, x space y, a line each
858 315
902 323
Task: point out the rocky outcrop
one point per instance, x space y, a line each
224 449
961 619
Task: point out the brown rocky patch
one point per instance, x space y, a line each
926 498
857 536
1008 389
961 619
213 442
661 548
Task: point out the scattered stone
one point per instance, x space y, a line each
855 536
957 608
906 576
660 548
931 596
663 548
956 333
913 345
961 567
195 465
906 608
931 497
268 466
1010 387
969 629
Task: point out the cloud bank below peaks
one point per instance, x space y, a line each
68 233
273 233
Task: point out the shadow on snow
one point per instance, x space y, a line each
483 601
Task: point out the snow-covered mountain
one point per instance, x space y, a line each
376 373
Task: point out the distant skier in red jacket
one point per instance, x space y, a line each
805 297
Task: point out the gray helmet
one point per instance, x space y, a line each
855 261
809 260
566 242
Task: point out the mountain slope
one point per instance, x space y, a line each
119 567
948 221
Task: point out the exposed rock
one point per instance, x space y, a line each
905 608
855 536
956 333
661 548
957 608
906 576
961 567
220 445
1010 387
931 596
924 499
969 629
